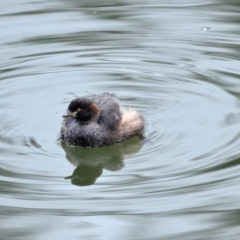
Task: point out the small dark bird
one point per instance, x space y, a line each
99 120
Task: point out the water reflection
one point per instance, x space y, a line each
90 162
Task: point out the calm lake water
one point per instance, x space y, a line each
177 63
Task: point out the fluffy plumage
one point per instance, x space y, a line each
99 119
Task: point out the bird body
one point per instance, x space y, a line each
98 120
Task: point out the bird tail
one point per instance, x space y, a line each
131 124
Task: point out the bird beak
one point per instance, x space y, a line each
70 114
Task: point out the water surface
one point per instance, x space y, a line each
177 64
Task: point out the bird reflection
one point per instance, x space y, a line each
90 162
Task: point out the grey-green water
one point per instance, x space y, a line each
177 63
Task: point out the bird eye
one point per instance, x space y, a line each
78 109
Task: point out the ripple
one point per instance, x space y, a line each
181 75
